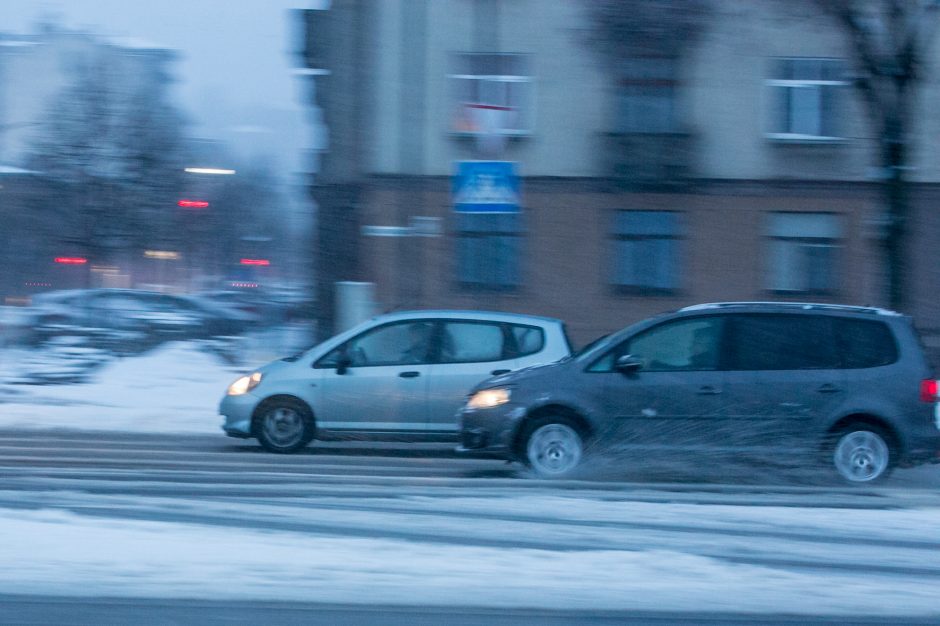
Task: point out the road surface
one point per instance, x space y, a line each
426 496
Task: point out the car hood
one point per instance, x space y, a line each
523 375
274 367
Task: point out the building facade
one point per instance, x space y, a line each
743 170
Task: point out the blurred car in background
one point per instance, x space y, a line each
268 305
131 314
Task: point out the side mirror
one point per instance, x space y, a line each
342 364
628 364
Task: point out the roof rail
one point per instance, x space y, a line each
794 305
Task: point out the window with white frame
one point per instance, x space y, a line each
648 94
491 88
646 250
804 252
807 98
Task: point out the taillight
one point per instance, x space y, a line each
929 390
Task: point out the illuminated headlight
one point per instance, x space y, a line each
488 398
244 384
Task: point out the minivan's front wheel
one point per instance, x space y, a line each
862 454
284 426
554 448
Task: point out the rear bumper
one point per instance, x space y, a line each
921 450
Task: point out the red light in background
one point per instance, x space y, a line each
255 262
193 204
71 260
929 390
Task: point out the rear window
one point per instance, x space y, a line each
865 343
782 342
527 339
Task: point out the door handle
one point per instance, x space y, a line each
708 390
498 372
828 388
409 374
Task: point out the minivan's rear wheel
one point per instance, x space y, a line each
284 426
554 447
862 453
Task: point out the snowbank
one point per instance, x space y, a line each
175 388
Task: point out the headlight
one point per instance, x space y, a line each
488 398
244 384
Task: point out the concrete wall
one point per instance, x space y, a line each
565 121
725 100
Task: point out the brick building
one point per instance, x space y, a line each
743 170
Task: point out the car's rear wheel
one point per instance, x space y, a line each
554 447
862 453
284 426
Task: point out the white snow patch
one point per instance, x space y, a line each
134 43
9 169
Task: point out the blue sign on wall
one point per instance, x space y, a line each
486 187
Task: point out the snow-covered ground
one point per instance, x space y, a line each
175 388
88 556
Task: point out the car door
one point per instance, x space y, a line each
378 380
115 310
674 399
784 374
469 351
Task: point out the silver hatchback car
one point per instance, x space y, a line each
401 376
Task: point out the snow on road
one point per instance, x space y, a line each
515 550
173 389
86 556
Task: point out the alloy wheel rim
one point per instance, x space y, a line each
554 449
861 456
284 427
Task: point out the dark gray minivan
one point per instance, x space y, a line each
851 385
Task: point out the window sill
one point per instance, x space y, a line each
481 288
468 134
784 293
678 134
634 290
805 140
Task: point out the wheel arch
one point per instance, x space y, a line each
256 414
558 409
895 441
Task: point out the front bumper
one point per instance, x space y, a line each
237 411
489 432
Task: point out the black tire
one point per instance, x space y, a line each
553 446
284 425
861 453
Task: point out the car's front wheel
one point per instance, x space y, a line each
284 426
862 453
554 447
